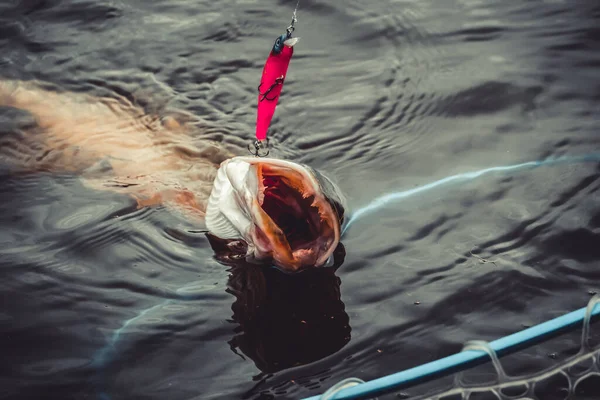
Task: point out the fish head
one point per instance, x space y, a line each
276 211
284 44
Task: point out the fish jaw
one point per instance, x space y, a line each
277 208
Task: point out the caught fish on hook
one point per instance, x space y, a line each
260 210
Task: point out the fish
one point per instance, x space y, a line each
280 210
264 210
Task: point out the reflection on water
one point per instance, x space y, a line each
287 320
383 96
282 320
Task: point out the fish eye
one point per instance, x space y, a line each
277 46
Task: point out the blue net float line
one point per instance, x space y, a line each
354 388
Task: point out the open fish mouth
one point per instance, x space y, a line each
284 211
298 221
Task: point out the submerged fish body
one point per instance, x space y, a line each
263 209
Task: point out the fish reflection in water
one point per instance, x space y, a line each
287 320
282 320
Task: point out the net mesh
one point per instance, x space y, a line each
575 377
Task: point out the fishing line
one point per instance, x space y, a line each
295 9
393 197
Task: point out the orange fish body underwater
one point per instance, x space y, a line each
113 144
279 211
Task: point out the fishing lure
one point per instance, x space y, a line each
271 83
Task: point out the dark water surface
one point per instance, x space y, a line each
100 300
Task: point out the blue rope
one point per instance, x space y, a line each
444 365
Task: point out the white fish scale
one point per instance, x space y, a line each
224 217
216 222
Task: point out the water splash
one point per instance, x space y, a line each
386 199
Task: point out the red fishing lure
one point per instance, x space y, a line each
271 83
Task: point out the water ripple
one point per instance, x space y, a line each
423 112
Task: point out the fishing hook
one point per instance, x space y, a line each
261 148
278 81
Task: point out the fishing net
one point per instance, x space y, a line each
575 377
